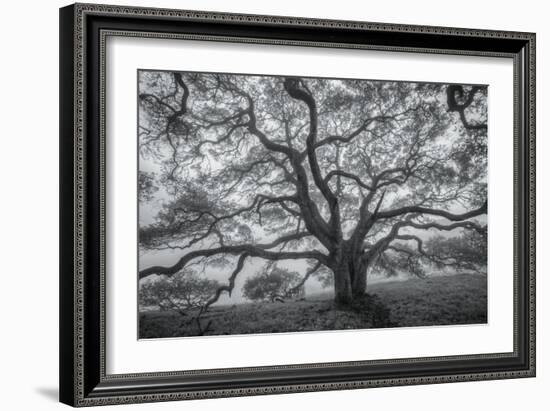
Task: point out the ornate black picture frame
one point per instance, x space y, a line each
83 32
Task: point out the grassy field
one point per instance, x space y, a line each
445 300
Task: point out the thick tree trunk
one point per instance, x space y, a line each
360 283
343 292
350 280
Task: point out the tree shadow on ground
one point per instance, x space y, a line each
372 309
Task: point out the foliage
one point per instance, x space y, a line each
406 260
468 250
338 172
146 186
464 251
185 293
270 285
324 275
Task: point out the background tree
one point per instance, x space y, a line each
271 285
184 293
467 251
333 172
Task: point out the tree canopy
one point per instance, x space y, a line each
344 174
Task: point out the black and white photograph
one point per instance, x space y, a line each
273 204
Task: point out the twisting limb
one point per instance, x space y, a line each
308 274
363 127
470 225
312 217
431 211
451 261
292 86
258 250
386 241
345 174
453 105
228 288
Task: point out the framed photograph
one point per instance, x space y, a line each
261 204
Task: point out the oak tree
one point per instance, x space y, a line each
336 172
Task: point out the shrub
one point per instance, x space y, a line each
273 285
